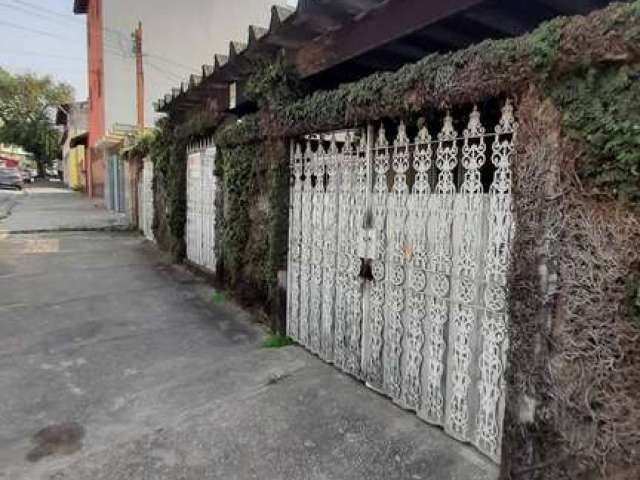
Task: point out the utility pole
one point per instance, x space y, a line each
139 76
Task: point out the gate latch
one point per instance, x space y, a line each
367 247
367 243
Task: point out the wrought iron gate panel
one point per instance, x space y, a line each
193 206
201 205
354 294
141 203
145 200
329 247
295 243
208 192
428 328
306 239
344 194
316 245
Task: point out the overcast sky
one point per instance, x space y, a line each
45 37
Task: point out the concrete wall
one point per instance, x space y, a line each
178 37
73 158
74 164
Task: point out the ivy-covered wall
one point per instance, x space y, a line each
168 153
588 65
238 168
255 179
574 377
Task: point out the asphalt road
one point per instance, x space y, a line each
115 364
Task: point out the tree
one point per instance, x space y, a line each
27 105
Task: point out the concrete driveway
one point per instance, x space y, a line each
116 365
46 206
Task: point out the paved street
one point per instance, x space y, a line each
48 206
116 365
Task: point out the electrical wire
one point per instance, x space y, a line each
167 74
114 44
115 49
57 21
36 31
41 54
62 16
177 64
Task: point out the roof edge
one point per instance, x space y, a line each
80 6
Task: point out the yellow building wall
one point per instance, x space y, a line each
76 163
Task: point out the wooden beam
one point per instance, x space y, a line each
443 36
405 51
340 10
359 6
380 61
572 7
393 20
317 22
512 18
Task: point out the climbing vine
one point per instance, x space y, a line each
143 142
589 66
278 218
587 72
238 175
601 109
168 151
274 84
238 131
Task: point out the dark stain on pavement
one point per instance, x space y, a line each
64 438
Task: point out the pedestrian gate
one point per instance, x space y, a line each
114 194
398 258
145 200
201 213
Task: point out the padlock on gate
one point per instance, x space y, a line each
367 251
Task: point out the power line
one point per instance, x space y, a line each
32 9
113 48
44 9
167 74
29 11
34 30
178 64
41 54
119 33
62 16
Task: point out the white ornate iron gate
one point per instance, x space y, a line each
398 257
201 213
145 200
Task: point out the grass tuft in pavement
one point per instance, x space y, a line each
277 340
217 297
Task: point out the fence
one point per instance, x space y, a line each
202 186
397 265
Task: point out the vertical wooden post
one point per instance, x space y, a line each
139 77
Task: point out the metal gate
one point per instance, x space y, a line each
201 213
398 257
114 185
145 200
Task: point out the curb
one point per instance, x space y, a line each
110 228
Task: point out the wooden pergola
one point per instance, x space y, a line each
333 41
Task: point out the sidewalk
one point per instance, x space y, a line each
115 365
51 207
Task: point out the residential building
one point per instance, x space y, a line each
404 269
74 119
13 156
176 37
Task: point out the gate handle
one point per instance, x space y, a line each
365 269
